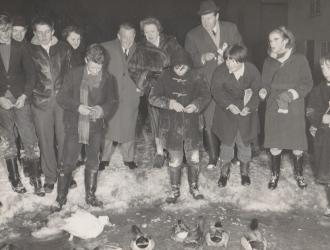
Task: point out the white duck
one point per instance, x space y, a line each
217 236
140 240
253 239
84 225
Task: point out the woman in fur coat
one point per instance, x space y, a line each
151 57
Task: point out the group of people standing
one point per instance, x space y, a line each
69 102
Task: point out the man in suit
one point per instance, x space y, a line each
206 44
17 77
121 128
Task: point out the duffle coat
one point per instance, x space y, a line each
179 127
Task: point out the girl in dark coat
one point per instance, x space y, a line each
89 97
318 113
151 57
181 94
286 79
234 88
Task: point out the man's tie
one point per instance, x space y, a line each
126 53
214 33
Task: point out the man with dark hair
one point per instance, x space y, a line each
235 87
121 128
19 28
206 44
51 59
89 98
17 77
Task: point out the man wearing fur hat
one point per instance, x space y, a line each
51 59
181 94
206 44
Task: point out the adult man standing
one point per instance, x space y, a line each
51 59
121 128
206 44
17 77
19 28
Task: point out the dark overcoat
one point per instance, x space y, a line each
226 90
198 42
318 105
177 127
286 131
121 127
69 99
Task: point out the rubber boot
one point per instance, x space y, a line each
175 180
35 179
26 167
90 188
298 170
245 171
275 168
193 172
14 177
63 185
212 146
224 173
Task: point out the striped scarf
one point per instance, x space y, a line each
88 82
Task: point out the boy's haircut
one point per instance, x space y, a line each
151 20
236 52
325 59
126 26
95 53
5 20
71 28
42 20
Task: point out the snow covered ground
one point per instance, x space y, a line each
122 189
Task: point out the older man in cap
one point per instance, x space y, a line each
206 44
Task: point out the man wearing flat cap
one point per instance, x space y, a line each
206 44
19 28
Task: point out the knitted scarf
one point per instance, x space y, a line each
88 82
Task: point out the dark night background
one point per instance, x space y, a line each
100 18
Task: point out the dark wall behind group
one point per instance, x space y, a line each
100 18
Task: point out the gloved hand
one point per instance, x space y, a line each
234 109
283 106
285 96
326 119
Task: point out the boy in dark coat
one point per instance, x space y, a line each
318 113
89 97
234 89
181 94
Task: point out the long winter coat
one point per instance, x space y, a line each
198 42
226 90
318 104
177 127
69 99
121 127
286 131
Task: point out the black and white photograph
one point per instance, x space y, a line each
164 125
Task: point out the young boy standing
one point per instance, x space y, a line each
318 114
234 88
